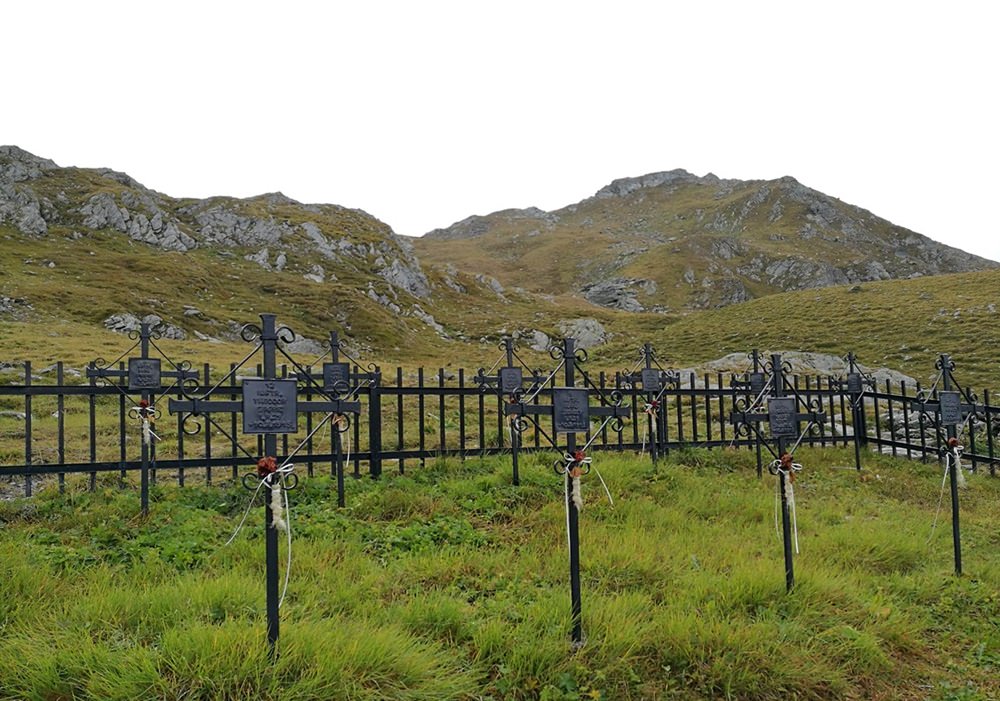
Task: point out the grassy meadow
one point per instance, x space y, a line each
449 583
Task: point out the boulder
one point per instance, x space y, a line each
126 322
588 333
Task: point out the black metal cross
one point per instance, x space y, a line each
755 386
509 381
783 418
270 407
949 412
856 383
571 413
655 381
339 383
144 374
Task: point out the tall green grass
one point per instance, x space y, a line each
449 583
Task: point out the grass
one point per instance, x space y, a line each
448 583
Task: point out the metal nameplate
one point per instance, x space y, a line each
571 409
854 383
950 408
757 382
336 377
270 406
143 373
781 417
651 380
510 380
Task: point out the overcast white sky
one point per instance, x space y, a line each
423 113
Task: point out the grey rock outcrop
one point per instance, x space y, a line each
822 364
539 341
626 186
15 307
220 224
428 319
305 346
406 276
493 284
150 225
126 322
587 332
476 225
261 258
19 205
618 293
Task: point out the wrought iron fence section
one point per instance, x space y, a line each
51 425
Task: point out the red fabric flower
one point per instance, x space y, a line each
266 466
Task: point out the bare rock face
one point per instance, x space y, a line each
406 276
539 341
626 186
16 308
587 332
274 231
822 364
306 346
126 322
474 226
217 223
618 293
19 205
145 221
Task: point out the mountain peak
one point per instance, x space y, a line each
625 186
18 165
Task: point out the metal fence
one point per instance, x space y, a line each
60 422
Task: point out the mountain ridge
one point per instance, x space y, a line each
737 240
85 249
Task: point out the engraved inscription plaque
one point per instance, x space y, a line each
951 408
270 406
571 410
510 380
854 383
143 373
336 377
651 380
781 417
757 382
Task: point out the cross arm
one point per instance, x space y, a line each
611 410
334 406
522 409
204 406
106 372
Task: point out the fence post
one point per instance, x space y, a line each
375 425
989 432
27 426
61 425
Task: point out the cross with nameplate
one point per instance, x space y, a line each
856 382
655 381
337 383
269 407
571 413
950 412
143 374
509 381
783 419
754 385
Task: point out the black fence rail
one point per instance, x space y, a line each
61 422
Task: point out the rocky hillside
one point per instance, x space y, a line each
209 252
674 241
87 251
92 249
272 230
